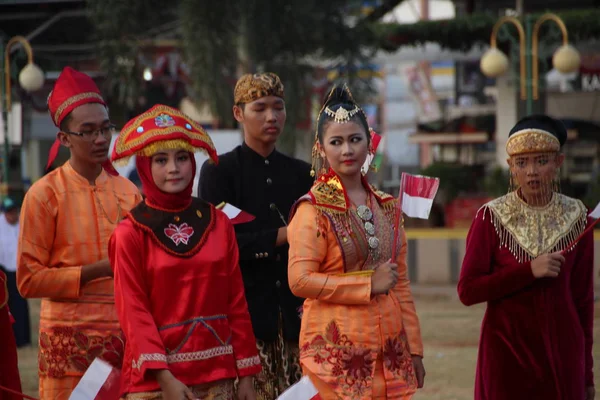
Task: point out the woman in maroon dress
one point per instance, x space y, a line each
9 369
536 336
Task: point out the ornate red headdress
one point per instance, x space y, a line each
71 90
161 127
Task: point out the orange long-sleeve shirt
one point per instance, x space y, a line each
66 223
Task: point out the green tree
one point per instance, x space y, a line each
222 39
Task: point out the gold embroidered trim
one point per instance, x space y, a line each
528 232
123 145
184 357
248 362
148 357
75 99
532 141
328 197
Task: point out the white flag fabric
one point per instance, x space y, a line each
596 212
417 193
236 216
100 382
301 390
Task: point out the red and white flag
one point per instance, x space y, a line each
236 215
417 193
100 382
301 390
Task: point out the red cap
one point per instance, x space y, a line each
71 90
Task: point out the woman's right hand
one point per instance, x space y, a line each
173 389
547 265
385 276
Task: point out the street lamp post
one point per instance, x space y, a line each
31 78
495 63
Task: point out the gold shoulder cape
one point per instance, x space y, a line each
329 197
529 232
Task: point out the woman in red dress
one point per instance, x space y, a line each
536 336
178 286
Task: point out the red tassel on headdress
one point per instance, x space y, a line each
53 153
108 167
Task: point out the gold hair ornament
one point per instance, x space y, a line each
341 115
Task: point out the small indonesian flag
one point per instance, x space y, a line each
417 193
374 159
301 390
236 215
100 382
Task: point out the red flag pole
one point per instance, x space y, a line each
574 242
398 219
17 393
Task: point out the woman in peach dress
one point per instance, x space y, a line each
360 335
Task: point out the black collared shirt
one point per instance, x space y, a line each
266 188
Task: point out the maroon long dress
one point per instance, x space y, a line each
536 336
9 370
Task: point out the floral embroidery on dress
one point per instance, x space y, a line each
352 365
179 234
397 358
65 349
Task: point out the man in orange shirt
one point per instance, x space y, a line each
66 220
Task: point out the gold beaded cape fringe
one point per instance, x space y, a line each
508 240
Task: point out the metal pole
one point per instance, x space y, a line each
6 147
530 61
519 7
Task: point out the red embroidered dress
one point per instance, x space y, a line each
187 314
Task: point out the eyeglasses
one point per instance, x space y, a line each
90 136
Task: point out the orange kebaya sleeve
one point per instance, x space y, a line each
402 290
308 252
242 335
125 252
35 278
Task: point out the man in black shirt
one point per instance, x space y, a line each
258 179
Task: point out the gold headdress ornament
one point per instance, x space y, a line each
341 116
536 134
530 140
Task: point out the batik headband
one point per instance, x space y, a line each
251 87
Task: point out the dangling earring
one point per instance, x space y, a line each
556 182
318 161
511 182
324 168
